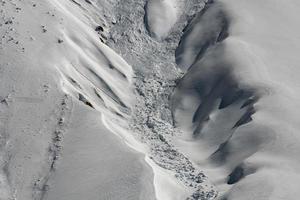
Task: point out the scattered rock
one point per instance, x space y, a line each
46 88
44 29
61 121
99 29
9 21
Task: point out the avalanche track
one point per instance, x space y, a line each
197 89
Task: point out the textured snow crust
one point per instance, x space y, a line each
161 15
158 99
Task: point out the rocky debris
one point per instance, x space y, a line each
101 32
44 29
199 195
155 80
46 88
49 13
18 8
9 21
56 146
99 29
152 121
6 100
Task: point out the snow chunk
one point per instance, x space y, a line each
161 15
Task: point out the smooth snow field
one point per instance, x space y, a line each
149 100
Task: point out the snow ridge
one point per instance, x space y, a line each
220 105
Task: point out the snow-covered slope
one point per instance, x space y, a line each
149 99
96 165
52 65
161 15
237 100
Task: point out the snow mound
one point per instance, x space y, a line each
161 15
236 102
207 28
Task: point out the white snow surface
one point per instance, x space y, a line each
249 150
161 15
54 145
149 99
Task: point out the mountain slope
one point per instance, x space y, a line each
236 102
149 99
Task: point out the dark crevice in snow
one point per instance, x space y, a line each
84 100
246 118
75 2
74 83
236 175
106 87
146 23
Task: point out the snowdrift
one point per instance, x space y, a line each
237 88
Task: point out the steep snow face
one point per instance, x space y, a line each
161 15
64 92
207 28
60 86
265 39
92 72
236 102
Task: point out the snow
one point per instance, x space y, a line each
96 165
272 47
42 80
166 186
200 33
158 99
255 63
161 15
